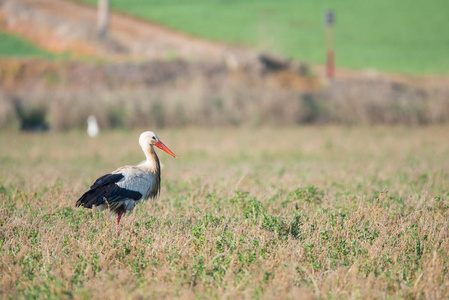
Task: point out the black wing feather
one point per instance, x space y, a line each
105 190
105 179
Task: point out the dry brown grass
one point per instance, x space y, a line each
176 93
313 212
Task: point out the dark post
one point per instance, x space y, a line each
330 64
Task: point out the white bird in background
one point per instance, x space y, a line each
92 126
121 190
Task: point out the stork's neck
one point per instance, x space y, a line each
152 162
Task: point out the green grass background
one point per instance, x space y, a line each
14 46
399 36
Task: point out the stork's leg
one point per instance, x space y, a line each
122 211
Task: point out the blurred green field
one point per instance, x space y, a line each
14 46
310 212
398 36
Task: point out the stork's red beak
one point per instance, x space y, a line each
161 145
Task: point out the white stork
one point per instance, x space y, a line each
122 189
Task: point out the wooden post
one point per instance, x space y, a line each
330 59
103 18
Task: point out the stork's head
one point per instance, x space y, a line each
149 138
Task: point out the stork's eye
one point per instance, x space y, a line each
154 138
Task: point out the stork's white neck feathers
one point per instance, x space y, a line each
152 161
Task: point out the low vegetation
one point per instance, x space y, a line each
58 95
311 212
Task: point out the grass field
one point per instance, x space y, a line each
14 46
386 35
327 212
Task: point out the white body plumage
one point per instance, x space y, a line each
142 179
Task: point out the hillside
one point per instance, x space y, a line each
392 36
14 46
179 80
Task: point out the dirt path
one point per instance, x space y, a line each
62 25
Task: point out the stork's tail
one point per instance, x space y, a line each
85 200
